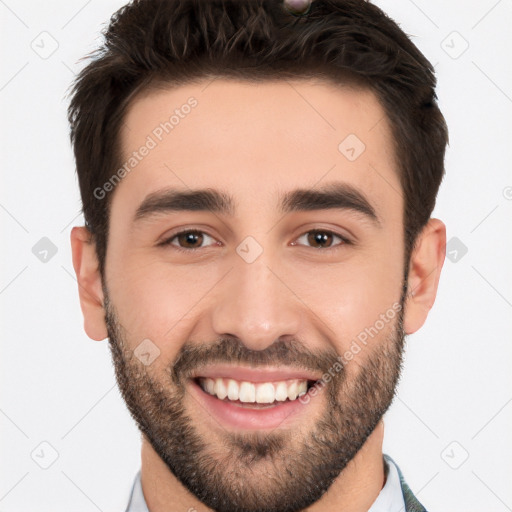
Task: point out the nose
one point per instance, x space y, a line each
256 304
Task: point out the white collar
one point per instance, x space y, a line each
390 498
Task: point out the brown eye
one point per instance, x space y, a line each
190 239
323 239
187 240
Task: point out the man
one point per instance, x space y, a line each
257 182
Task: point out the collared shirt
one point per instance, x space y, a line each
390 498
395 496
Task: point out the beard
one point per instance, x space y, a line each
282 470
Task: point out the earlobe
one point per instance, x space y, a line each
425 266
90 291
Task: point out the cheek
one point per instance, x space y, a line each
355 298
160 302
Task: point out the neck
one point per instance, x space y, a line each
355 489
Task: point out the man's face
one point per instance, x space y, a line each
270 294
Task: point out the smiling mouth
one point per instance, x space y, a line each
256 395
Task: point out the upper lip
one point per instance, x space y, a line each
263 374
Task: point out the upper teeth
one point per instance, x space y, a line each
259 392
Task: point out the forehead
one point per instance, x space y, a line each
256 139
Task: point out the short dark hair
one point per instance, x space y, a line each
176 42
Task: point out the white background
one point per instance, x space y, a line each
58 387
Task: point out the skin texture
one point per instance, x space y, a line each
256 141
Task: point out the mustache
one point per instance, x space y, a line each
231 350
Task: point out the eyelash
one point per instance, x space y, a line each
167 242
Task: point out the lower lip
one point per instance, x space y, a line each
237 416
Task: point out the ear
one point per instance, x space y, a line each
425 266
85 263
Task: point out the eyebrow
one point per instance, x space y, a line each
333 196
